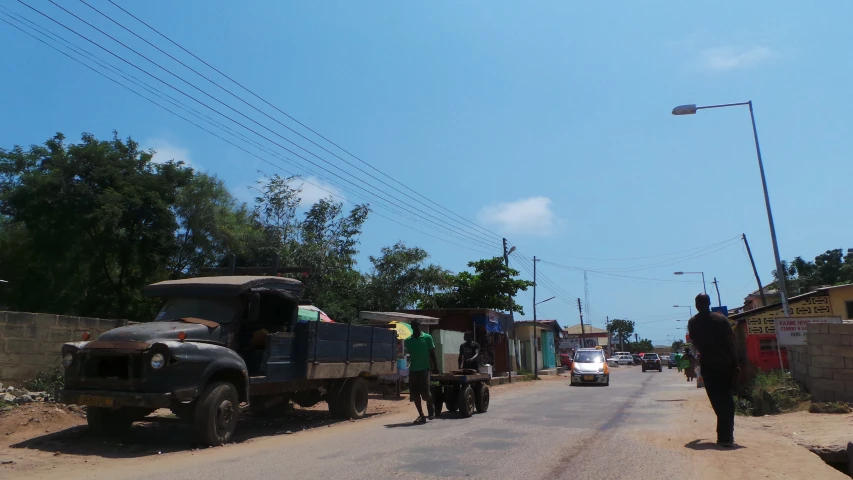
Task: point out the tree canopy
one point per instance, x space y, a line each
623 329
490 286
832 267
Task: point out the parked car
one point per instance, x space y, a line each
216 343
612 361
651 361
625 360
664 359
566 360
638 360
590 366
673 360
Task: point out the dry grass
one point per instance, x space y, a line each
829 407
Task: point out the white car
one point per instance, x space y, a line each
625 360
613 361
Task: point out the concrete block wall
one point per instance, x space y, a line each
825 364
31 342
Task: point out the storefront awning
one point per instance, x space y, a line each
385 318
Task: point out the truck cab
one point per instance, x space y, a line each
220 344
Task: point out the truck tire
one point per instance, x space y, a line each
109 421
481 398
333 398
467 403
216 414
354 398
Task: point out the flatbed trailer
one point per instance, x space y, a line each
465 391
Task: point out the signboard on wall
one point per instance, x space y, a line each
792 330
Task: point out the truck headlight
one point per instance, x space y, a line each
67 359
157 361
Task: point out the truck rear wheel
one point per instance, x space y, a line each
354 398
467 403
481 397
216 414
451 398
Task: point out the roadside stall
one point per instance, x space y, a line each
401 323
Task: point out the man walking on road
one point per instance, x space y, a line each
421 350
712 335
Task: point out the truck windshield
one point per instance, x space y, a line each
217 310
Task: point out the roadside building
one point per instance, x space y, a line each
756 331
492 330
544 336
592 336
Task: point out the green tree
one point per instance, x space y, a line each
86 225
644 345
489 286
212 224
677 345
623 329
829 268
399 279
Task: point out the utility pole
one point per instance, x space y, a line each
717 286
586 294
535 324
609 335
583 335
511 317
754 271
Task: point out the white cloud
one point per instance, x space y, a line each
526 216
165 151
722 59
315 190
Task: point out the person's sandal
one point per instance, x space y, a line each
420 421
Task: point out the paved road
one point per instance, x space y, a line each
548 430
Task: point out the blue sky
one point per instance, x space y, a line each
548 123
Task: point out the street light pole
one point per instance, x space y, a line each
780 272
704 288
511 317
685 306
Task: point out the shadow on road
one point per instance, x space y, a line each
165 435
705 445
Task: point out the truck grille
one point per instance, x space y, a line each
124 367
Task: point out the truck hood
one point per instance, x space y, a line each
163 331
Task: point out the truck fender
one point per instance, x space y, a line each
230 367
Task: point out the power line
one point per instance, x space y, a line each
253 107
562 255
290 117
369 192
208 131
437 221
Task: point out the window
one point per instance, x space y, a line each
849 306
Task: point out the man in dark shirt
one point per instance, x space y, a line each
713 337
469 353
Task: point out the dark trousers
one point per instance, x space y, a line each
719 383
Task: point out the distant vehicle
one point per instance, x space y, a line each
590 366
672 361
625 359
638 360
566 360
651 361
664 359
612 361
619 354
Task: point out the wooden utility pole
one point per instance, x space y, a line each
754 271
717 286
511 317
583 333
535 324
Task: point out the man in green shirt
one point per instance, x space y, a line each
421 350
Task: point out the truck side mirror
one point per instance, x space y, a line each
254 307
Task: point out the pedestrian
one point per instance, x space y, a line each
688 361
712 335
421 350
469 353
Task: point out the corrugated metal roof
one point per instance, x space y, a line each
222 286
790 300
576 329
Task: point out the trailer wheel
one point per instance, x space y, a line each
354 398
467 403
437 399
481 397
451 399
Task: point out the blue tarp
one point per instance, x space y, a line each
483 320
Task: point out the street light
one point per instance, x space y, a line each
780 272
695 273
685 306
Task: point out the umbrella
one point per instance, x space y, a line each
310 313
404 330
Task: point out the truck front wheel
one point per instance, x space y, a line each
216 413
354 398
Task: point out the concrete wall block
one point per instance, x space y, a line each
818 372
19 372
18 331
815 349
840 328
2 317
84 323
824 361
19 318
846 339
842 374
824 339
12 345
828 385
843 397
848 363
105 325
59 334
819 395
841 351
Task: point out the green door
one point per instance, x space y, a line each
549 355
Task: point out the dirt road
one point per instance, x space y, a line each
653 425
